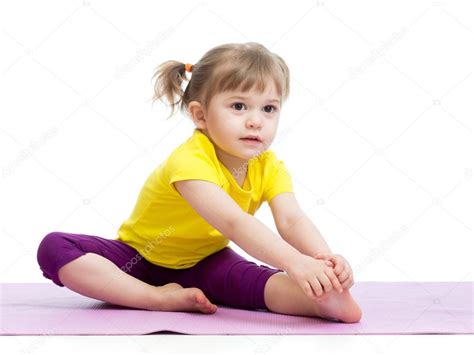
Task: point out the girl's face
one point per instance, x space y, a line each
234 115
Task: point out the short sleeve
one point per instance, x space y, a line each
189 165
279 180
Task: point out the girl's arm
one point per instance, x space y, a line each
295 226
224 214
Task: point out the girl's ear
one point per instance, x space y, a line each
197 114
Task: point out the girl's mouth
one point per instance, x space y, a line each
251 141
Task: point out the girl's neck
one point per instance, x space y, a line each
236 166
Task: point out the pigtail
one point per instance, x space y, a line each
169 77
231 66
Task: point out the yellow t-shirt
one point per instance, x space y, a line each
167 231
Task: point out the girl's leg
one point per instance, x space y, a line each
76 261
94 276
283 295
227 278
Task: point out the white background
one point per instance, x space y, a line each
377 133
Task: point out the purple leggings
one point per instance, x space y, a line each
225 277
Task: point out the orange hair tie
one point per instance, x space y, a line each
188 67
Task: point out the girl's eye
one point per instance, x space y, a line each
271 107
268 109
237 105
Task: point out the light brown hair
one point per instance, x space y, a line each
228 67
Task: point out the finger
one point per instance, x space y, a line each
344 276
329 263
321 256
334 280
347 266
325 282
339 268
317 287
352 282
308 290
338 265
349 281
326 256
347 284
312 291
326 259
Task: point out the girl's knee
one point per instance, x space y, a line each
48 242
48 248
48 254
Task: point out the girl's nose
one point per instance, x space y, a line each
254 121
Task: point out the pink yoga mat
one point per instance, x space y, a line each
388 308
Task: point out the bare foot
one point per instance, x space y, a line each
173 297
338 306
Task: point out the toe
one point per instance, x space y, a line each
203 303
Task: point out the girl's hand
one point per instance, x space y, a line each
342 269
315 277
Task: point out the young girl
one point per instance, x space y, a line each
172 253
